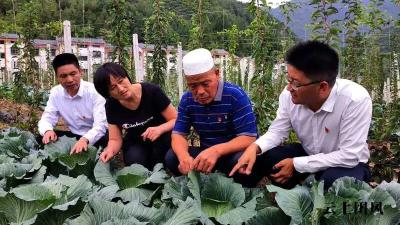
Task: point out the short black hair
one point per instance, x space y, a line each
102 76
65 59
317 60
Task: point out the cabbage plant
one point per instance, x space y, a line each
48 186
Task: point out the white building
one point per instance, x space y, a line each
45 51
91 53
8 56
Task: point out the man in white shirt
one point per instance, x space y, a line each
330 116
78 102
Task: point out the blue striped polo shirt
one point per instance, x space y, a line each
228 116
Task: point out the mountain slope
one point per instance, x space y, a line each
302 16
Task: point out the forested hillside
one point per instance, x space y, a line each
302 15
93 18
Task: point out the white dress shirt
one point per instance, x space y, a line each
333 136
84 113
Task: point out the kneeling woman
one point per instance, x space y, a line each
141 111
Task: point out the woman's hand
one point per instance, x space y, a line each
107 154
152 133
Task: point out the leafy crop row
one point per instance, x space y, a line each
49 186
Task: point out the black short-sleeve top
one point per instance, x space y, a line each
148 114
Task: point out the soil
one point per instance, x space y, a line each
3 125
11 112
23 116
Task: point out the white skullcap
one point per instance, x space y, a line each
197 61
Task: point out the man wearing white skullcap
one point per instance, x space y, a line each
222 116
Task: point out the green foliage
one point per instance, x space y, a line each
200 24
118 33
171 89
352 64
310 205
32 22
159 32
296 203
135 182
31 192
354 58
287 10
60 161
233 71
265 53
48 76
385 122
363 59
220 199
324 28
287 41
384 161
17 144
39 203
60 151
19 93
5 26
6 92
373 17
85 17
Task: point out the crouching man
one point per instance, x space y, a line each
220 113
78 102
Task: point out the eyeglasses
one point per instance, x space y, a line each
295 86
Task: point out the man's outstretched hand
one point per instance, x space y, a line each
185 164
80 145
49 136
206 160
246 161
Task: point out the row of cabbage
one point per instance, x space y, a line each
48 186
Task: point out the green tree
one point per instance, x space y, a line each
287 41
262 31
31 25
353 58
84 16
375 21
393 106
158 31
5 26
323 28
118 33
200 22
233 35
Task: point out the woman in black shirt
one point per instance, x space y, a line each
140 111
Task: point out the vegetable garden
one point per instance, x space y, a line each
49 186
46 185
